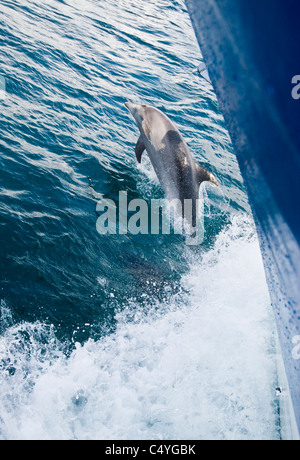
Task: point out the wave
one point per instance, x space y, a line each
199 364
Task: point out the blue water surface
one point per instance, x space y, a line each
69 68
67 140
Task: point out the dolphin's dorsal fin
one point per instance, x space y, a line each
139 148
204 175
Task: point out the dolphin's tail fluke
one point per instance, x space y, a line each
204 175
213 180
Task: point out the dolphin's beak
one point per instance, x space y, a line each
129 106
133 109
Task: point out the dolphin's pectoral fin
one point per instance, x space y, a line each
139 148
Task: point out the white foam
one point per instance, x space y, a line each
202 366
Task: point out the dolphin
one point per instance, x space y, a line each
178 173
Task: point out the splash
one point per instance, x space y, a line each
200 365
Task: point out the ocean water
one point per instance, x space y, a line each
121 336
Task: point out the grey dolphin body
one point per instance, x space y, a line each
178 173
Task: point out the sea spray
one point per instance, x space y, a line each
202 367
